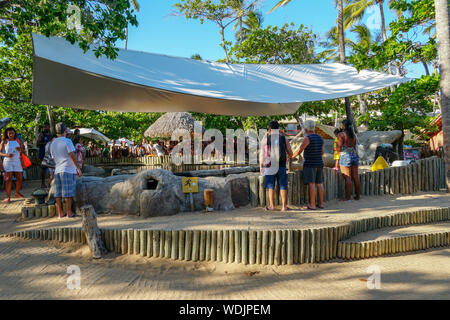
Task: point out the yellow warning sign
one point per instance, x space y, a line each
190 184
379 164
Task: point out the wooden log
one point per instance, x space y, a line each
323 243
259 235
149 252
38 212
302 246
202 250
308 245
208 245
271 247
188 245
252 247
244 239
90 227
196 245
265 247
174 251
237 246
162 243
277 253
52 211
124 244
231 246
130 241
296 242
136 241
44 211
262 193
156 241
214 245
381 183
254 192
219 245
290 246
283 247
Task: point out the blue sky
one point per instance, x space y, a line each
160 31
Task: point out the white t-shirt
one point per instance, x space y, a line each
159 150
60 149
11 147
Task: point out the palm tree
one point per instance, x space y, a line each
243 11
250 23
136 7
443 36
340 28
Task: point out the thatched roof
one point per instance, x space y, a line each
169 122
326 132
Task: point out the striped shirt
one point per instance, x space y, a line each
313 152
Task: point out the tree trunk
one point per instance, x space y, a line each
348 109
126 37
362 105
443 37
224 47
36 129
400 146
50 120
341 31
383 21
92 232
425 66
299 121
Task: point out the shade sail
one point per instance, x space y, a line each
91 133
143 82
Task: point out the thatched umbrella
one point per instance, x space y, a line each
169 122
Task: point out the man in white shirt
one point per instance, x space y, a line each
63 151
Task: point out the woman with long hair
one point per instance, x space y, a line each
11 149
346 146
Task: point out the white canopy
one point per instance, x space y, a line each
143 82
91 133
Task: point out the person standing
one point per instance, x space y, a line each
63 151
12 163
336 154
43 138
313 150
282 148
349 160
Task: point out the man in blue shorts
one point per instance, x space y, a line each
282 148
63 151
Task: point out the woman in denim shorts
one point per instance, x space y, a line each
349 161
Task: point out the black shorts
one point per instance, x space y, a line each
312 175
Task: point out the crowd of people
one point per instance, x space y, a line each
62 156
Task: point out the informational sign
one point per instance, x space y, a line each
190 184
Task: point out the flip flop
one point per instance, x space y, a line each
268 209
309 208
320 207
287 209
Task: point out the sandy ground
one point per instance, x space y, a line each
38 270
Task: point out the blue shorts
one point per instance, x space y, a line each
65 185
348 159
269 181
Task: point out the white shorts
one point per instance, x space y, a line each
12 166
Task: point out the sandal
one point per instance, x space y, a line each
309 208
268 209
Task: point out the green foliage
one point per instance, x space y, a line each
285 45
405 108
102 22
402 45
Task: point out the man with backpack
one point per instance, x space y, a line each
274 152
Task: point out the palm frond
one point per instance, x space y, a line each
354 12
282 3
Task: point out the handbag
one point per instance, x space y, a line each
26 162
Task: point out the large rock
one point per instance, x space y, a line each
240 189
328 162
150 193
370 140
93 171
